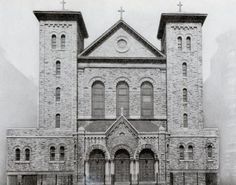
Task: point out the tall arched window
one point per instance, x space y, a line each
54 41
188 43
209 151
122 99
58 121
52 153
62 153
185 95
98 100
146 100
185 121
17 154
179 39
181 152
27 154
58 67
63 41
190 152
58 94
184 69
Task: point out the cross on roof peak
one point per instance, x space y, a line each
121 11
63 4
180 6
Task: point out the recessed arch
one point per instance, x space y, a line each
122 146
98 147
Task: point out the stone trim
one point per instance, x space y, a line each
122 146
99 147
146 146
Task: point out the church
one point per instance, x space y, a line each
118 112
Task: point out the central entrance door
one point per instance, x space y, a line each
97 167
122 167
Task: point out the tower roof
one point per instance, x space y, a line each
179 17
63 16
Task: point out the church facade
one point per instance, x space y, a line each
118 112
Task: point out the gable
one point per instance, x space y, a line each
121 41
121 122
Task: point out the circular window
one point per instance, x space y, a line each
121 44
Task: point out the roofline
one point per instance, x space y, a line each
123 58
179 17
105 34
63 15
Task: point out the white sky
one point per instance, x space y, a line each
19 31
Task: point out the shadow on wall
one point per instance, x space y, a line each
220 103
18 105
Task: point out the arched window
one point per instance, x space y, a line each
62 153
146 166
63 41
17 154
179 39
58 94
184 69
122 99
58 68
181 152
190 152
98 100
52 153
54 42
58 121
146 100
188 43
185 95
209 151
185 120
27 154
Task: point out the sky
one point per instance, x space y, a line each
19 29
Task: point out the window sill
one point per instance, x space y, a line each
210 160
56 162
22 162
186 160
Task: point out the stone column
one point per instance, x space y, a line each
112 170
162 158
87 171
132 171
156 170
136 171
107 173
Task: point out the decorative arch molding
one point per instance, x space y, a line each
181 144
122 146
147 79
121 79
98 147
191 144
96 78
146 146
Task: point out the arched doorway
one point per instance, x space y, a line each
97 167
146 166
122 166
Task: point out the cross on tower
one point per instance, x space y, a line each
121 11
180 6
63 4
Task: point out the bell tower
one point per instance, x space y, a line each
62 35
181 40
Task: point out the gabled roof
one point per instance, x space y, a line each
123 120
122 24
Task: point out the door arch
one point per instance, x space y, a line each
122 166
97 166
146 166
